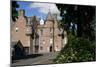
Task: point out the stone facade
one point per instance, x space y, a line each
36 37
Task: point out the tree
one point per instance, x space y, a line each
80 47
14 12
86 15
82 16
68 14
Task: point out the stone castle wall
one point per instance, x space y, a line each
42 40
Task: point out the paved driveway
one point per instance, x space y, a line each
46 58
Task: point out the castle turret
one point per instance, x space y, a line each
49 16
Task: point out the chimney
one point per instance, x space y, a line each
21 12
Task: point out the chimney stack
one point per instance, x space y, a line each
21 12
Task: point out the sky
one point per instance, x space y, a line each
38 9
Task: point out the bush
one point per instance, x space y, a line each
77 50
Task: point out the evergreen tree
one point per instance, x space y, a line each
14 12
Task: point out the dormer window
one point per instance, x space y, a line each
41 21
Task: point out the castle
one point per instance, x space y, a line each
37 35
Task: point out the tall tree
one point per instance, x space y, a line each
68 13
14 12
80 47
86 15
80 15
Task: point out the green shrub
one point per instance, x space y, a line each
77 50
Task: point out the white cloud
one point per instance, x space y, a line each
45 7
59 17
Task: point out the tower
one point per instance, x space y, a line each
29 34
51 19
49 16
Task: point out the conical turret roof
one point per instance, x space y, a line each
49 16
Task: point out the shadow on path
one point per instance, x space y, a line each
17 58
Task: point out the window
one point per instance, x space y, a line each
43 42
26 50
27 29
41 48
50 30
41 31
51 41
16 29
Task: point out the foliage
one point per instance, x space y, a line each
14 12
78 49
85 21
68 15
82 16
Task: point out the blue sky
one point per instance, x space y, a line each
38 9
30 11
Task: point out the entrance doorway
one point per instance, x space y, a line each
36 48
50 48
